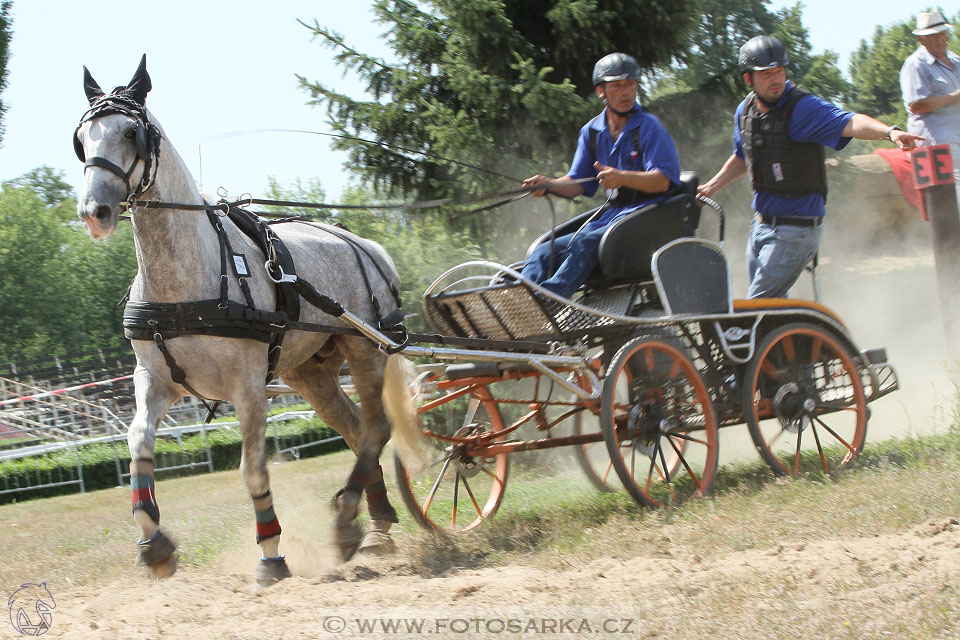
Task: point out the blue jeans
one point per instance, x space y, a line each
776 256
576 256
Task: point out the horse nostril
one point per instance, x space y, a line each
103 213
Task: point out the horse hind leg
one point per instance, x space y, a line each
367 369
317 381
377 540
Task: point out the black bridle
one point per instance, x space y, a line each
146 138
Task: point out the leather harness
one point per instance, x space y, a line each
161 321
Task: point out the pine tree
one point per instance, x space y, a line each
502 84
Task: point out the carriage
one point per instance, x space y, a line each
655 348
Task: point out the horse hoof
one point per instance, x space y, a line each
348 538
271 571
377 543
157 554
163 569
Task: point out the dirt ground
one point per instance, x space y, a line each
869 587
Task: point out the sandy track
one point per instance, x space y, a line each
857 587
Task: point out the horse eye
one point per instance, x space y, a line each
131 134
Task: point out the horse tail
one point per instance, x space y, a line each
401 394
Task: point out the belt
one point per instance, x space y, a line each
793 221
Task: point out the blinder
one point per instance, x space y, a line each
140 141
146 140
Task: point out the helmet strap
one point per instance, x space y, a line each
622 114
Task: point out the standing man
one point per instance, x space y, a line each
629 153
779 133
930 82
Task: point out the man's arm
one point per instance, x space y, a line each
863 127
733 168
556 186
934 103
653 181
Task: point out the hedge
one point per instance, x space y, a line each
100 468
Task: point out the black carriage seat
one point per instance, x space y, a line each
629 243
692 277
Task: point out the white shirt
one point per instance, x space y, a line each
923 76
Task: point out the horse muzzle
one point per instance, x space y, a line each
100 217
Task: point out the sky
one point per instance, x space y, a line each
221 68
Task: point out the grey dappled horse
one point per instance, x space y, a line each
127 156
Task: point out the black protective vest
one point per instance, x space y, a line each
776 163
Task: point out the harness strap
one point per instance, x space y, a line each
178 375
355 246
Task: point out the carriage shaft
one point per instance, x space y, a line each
514 446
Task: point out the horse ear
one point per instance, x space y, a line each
140 85
90 87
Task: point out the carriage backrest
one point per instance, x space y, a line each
692 276
628 244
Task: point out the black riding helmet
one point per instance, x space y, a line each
615 66
762 53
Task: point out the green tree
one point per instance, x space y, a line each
710 59
59 289
503 83
5 34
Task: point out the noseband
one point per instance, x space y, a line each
146 138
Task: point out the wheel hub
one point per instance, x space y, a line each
793 407
467 465
645 424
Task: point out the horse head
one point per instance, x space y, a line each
119 147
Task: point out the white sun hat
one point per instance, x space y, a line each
929 23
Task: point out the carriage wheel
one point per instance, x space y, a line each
658 424
594 460
456 492
804 398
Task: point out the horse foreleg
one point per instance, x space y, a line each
156 549
252 414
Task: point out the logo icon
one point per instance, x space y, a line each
30 607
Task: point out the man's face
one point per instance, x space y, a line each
935 44
769 83
620 94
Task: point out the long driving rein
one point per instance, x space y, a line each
156 321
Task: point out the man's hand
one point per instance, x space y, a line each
535 180
904 140
705 191
609 177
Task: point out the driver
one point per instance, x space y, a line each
629 153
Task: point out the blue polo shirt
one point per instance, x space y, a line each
657 152
813 120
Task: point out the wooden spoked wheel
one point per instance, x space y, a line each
455 491
658 424
804 400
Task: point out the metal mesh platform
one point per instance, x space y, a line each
513 311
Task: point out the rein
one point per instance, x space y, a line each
505 197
